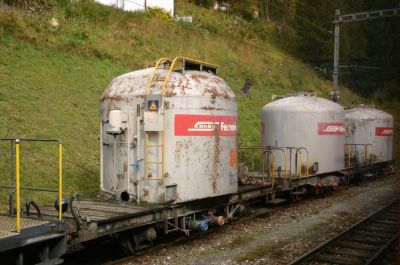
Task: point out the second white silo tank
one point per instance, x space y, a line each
305 120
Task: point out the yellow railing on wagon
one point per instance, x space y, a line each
15 151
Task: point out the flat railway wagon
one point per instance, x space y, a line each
169 163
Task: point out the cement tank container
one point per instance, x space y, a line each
372 131
308 121
169 145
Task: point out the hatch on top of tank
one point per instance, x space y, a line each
366 112
178 77
303 102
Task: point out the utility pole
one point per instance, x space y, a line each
266 9
334 95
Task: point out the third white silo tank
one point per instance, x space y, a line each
367 125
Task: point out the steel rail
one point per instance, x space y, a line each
311 256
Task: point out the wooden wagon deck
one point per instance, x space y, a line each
98 209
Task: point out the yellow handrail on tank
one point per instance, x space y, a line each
159 61
308 165
146 147
300 169
285 167
183 59
156 67
169 73
17 186
60 181
365 155
162 154
349 157
272 170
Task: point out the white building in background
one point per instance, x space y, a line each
140 5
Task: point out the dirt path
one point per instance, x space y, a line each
284 234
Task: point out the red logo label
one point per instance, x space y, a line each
331 128
204 125
382 131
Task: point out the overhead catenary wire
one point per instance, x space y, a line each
361 66
322 29
134 2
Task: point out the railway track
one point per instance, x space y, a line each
373 240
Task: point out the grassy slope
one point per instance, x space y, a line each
47 93
51 79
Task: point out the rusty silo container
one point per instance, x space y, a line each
175 138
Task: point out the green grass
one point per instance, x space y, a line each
48 93
51 78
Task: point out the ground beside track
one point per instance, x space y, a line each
284 234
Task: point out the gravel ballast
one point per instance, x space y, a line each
281 235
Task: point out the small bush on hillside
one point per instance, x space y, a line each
203 3
159 13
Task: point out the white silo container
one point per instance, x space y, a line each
191 130
305 120
372 131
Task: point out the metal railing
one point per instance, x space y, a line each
352 155
15 155
262 162
299 158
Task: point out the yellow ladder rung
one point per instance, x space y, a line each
153 145
150 162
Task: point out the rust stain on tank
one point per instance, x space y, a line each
311 169
169 93
166 104
117 98
353 128
208 108
106 93
125 167
131 89
159 78
183 85
198 78
172 86
216 162
213 91
181 151
216 80
145 192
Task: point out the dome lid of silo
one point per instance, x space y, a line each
364 112
303 102
186 82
